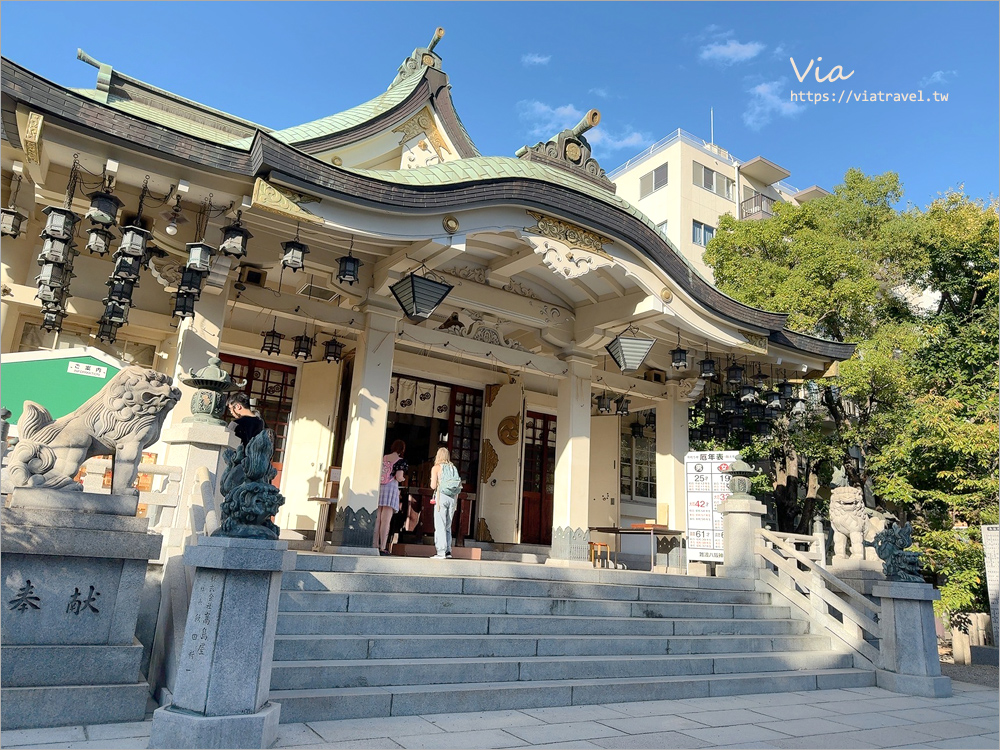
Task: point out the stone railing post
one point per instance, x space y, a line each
908 653
741 517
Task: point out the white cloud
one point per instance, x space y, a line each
545 121
731 52
533 58
601 92
778 52
609 141
938 77
766 101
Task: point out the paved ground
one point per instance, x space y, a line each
849 718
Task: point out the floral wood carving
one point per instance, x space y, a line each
492 390
32 138
423 122
570 234
268 198
490 460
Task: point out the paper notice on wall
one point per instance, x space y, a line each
707 486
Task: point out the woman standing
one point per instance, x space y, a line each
447 484
393 474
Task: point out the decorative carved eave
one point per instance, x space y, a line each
571 151
422 57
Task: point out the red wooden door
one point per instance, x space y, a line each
539 478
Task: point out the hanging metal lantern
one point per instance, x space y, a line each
103 208
61 222
707 367
729 402
272 340
120 290
679 358
52 319
184 305
293 255
133 241
191 281
52 296
302 346
127 266
621 406
199 256
786 390
333 350
745 437
694 434
115 312
759 378
651 419
772 412
755 411
418 296
771 398
11 222
55 250
99 240
234 238
107 331
734 374
604 404
711 417
637 429
349 265
629 352
54 275
763 429
736 422
748 391
720 432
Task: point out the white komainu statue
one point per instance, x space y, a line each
124 418
850 520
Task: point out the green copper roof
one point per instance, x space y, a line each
344 120
502 167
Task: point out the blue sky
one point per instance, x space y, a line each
522 71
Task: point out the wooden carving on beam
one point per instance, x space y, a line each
570 264
569 234
267 197
423 122
755 342
492 390
32 138
490 460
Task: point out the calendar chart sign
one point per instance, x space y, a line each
707 485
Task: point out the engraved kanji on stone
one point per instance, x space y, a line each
25 599
77 605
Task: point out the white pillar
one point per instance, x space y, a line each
366 423
571 500
671 447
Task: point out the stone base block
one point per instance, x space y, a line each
71 705
985 655
46 498
173 728
908 684
345 550
861 579
43 666
559 563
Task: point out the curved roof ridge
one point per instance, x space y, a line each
348 118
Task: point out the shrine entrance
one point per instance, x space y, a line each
539 478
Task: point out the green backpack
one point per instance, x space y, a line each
450 482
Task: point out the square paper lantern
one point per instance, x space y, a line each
419 296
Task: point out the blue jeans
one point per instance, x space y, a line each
444 511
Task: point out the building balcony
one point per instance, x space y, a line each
757 207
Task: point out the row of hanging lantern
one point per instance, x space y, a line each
11 219
302 345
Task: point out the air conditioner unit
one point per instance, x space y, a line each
655 376
315 291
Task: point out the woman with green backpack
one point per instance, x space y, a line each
446 483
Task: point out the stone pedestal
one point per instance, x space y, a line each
74 564
741 517
860 575
908 654
192 445
224 673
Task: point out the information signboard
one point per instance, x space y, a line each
707 486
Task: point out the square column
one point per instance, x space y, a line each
367 416
671 447
571 497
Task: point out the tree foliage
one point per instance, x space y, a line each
912 416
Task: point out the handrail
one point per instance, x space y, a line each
819 595
830 580
789 536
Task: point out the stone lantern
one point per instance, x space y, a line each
208 404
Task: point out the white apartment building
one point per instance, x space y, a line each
685 183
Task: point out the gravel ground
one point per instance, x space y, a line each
978 674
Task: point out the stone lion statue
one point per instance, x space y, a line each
850 520
124 418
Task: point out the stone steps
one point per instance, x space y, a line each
289 648
408 700
334 673
367 637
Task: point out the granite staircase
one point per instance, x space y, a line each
369 637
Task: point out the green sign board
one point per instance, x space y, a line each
59 381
